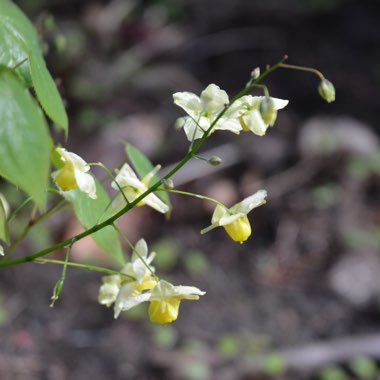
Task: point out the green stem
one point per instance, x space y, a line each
53 209
263 87
302 68
19 208
193 195
153 188
121 233
83 266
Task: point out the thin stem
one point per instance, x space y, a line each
263 87
83 266
19 208
136 251
153 188
32 222
204 197
117 184
302 68
59 284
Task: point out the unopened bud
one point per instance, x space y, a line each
168 184
268 111
180 122
255 73
215 161
327 90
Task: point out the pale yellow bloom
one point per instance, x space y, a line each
133 187
234 219
164 299
73 174
251 119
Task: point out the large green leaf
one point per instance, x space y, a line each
25 144
143 166
20 50
93 211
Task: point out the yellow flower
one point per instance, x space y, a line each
234 219
133 187
73 174
164 299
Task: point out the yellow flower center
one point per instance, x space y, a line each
65 179
239 230
147 283
164 311
243 124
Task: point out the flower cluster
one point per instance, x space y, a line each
248 113
137 283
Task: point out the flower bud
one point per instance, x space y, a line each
255 73
180 122
327 90
168 184
215 161
268 111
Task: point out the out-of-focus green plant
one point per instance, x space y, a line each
274 365
363 367
332 373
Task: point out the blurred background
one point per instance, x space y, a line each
300 299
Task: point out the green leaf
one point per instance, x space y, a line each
4 232
93 211
47 92
20 51
17 38
25 143
143 166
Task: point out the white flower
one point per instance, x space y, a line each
164 299
203 111
140 267
234 219
1 250
135 277
109 290
73 174
251 118
133 187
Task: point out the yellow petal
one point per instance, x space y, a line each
164 311
239 230
65 179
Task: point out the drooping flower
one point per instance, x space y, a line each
73 174
257 113
133 187
164 299
136 276
203 110
234 219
